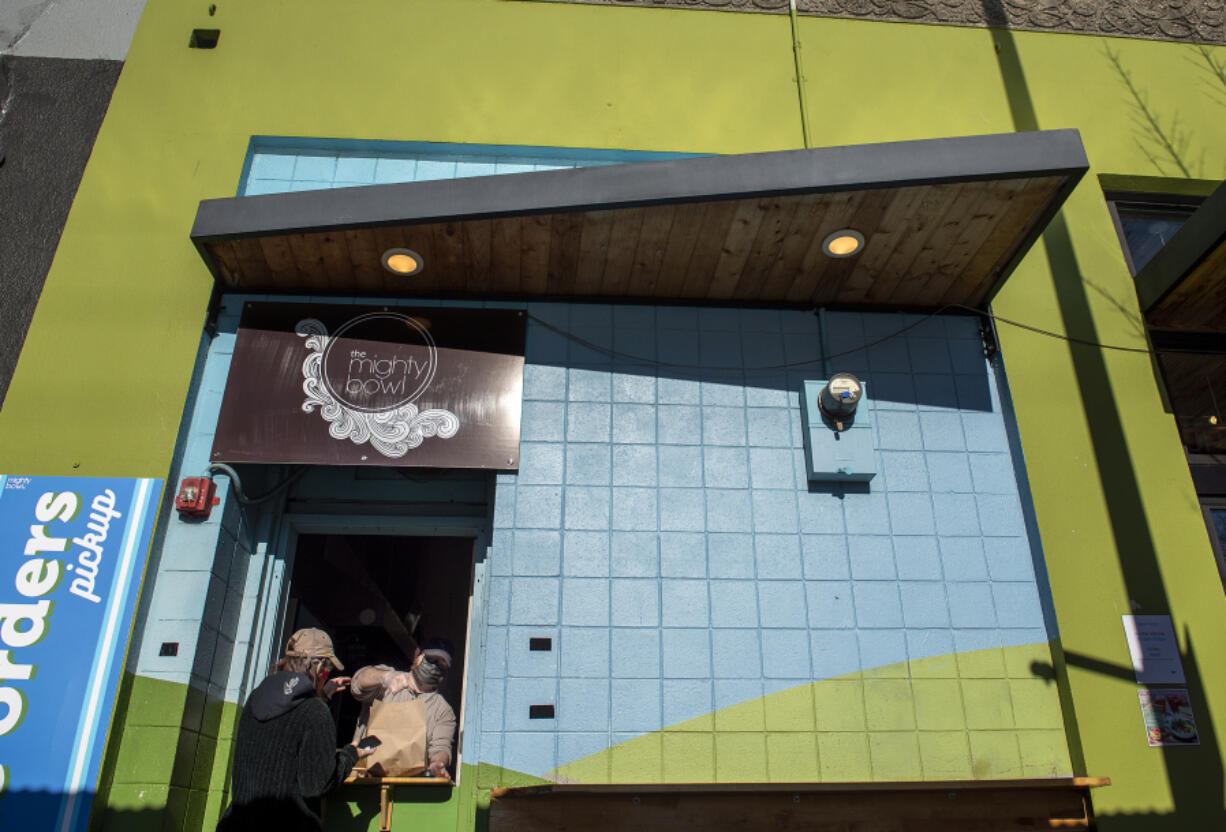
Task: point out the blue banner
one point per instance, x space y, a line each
74 552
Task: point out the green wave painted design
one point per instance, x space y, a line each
981 714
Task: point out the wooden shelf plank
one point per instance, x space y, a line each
398 781
877 786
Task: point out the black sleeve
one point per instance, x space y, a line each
321 766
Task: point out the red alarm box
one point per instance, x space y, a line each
196 497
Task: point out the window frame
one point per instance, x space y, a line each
1208 505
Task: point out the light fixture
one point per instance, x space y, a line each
843 243
402 261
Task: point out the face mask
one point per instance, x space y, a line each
427 674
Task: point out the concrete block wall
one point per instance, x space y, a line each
711 614
661 532
178 727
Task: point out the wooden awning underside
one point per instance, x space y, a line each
945 221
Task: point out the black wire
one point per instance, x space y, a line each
237 485
1070 338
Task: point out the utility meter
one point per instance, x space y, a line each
839 398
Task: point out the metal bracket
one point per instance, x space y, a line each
987 334
386 801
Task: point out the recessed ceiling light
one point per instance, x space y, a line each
402 261
843 243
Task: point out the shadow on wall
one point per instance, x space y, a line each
32 810
930 361
199 714
357 808
1166 142
352 808
1194 774
180 807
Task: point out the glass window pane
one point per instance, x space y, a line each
1146 232
1219 525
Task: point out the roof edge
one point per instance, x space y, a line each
638 184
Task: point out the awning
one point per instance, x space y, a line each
1184 285
944 222
1182 291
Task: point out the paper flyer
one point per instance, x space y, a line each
1168 717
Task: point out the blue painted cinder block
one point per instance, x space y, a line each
837 456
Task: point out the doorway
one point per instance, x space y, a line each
379 596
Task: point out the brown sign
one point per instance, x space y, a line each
374 385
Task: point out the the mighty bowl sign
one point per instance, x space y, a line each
378 362
348 385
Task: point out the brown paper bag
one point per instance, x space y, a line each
402 728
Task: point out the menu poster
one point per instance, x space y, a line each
1168 717
1154 651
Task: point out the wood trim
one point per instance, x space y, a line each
943 806
352 780
873 786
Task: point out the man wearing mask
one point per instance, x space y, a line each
422 680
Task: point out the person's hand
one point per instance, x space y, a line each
438 769
335 684
362 752
395 681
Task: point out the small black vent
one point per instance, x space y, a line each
540 712
545 644
169 648
204 38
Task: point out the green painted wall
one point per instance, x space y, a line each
101 384
1117 512
167 765
178 128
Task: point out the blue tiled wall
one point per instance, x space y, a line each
662 532
278 165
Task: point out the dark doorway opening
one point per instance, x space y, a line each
379 596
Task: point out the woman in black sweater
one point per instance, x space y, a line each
285 755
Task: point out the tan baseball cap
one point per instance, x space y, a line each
312 643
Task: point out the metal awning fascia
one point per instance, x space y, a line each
678 181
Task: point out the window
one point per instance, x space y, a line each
1146 222
379 596
1215 519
